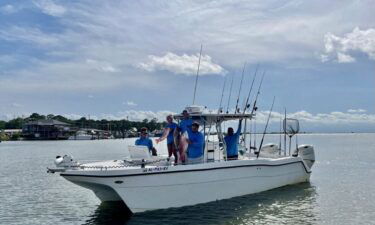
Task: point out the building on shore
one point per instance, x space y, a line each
47 130
10 134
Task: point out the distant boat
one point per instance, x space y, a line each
81 135
157 133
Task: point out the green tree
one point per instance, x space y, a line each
2 124
62 119
14 124
36 116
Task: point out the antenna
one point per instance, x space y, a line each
196 78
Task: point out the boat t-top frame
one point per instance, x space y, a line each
209 120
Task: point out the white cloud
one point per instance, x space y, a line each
353 116
357 110
131 103
138 115
90 96
184 64
8 9
340 48
344 58
318 122
73 116
333 118
28 34
17 105
50 8
101 66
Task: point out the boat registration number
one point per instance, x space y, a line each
155 169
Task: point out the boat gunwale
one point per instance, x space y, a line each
307 170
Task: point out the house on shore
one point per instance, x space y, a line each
47 129
10 134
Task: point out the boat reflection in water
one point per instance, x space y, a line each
286 205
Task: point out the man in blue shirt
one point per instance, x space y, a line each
168 133
231 141
146 141
196 144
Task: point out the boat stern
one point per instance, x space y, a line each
307 153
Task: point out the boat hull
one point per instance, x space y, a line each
164 187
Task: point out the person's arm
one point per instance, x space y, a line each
238 132
164 136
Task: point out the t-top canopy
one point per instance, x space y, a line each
211 118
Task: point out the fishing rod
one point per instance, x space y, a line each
222 95
246 105
251 88
196 78
239 92
230 93
255 133
254 109
284 125
256 97
280 136
265 128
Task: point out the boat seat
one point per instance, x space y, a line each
139 153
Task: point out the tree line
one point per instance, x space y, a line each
111 125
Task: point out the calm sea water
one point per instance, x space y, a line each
341 190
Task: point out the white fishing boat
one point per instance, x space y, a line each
145 183
81 135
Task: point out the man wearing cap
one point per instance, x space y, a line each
196 144
144 140
231 141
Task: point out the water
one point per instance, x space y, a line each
340 191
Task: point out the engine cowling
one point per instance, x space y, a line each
307 153
65 161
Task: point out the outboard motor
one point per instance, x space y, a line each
306 152
65 161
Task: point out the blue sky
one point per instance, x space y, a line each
137 59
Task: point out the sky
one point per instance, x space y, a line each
138 59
